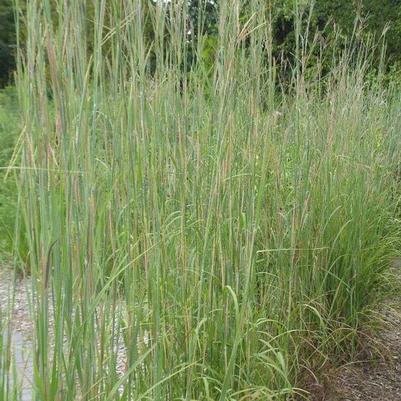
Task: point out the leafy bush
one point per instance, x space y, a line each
8 191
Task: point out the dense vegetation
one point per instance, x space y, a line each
207 211
9 125
7 41
377 18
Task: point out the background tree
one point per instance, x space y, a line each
7 41
376 17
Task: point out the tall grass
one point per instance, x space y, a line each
214 236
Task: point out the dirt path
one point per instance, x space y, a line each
374 378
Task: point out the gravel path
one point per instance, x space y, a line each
21 328
369 380
21 320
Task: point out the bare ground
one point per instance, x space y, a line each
20 325
377 375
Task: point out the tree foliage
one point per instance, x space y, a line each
7 40
327 17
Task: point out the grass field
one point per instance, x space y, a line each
197 233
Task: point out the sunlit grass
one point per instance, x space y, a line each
214 237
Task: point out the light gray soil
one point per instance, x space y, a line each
372 379
20 326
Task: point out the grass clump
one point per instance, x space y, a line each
225 236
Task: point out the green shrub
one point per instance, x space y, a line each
9 131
